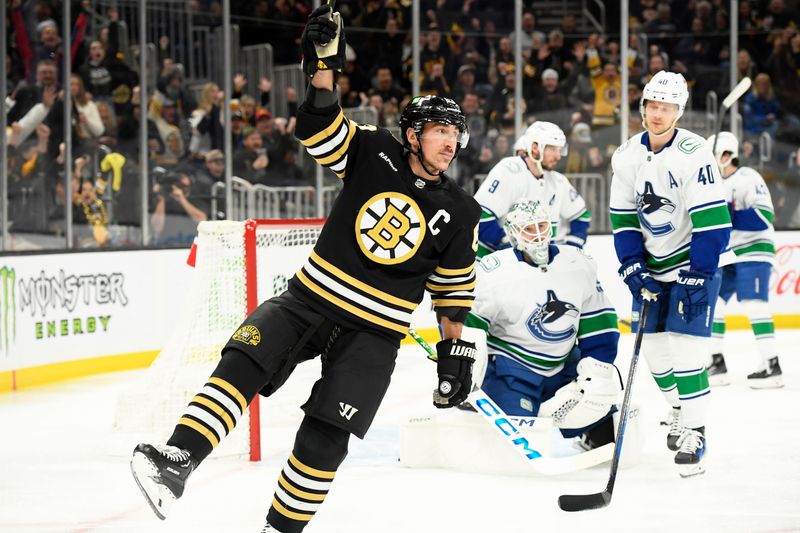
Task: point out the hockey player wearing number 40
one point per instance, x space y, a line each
399 227
531 175
671 228
535 301
752 240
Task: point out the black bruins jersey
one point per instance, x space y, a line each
390 234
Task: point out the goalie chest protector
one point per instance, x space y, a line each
389 235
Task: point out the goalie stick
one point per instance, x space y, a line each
734 95
583 502
494 416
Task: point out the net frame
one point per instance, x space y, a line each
239 264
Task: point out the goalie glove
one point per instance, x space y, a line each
323 43
587 398
454 366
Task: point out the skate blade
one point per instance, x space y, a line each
691 470
719 380
766 383
158 497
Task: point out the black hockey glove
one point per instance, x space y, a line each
454 366
323 43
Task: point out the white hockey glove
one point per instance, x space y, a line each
587 398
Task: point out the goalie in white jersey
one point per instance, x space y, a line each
752 240
532 176
671 228
535 301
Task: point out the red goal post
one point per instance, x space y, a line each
251 243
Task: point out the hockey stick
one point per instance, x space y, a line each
494 415
582 502
734 95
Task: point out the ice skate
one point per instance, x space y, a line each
161 473
269 529
768 378
692 448
718 371
675 429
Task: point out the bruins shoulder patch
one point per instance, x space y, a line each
248 335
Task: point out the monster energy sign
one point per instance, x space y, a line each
8 308
54 301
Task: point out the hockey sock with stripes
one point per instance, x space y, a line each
656 350
763 328
304 483
691 377
216 409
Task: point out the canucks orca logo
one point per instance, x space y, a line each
548 315
649 203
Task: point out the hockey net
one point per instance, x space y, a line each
238 265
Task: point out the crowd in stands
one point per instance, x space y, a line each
569 77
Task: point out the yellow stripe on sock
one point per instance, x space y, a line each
204 431
291 489
230 389
324 474
290 514
217 409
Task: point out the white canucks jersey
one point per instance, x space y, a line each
535 316
510 180
753 236
666 200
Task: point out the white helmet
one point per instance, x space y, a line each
669 87
726 142
527 225
544 134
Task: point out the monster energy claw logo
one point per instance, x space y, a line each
8 306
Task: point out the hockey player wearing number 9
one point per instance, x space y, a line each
536 301
671 229
530 174
399 227
752 240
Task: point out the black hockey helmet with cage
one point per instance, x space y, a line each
437 109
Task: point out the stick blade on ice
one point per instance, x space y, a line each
737 92
583 502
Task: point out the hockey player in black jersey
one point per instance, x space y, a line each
399 227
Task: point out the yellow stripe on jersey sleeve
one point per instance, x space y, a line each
327 132
455 271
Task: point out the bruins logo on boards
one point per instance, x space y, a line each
248 335
390 228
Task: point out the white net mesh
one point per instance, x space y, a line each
215 306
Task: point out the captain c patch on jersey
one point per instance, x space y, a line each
390 228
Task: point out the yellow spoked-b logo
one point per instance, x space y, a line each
390 228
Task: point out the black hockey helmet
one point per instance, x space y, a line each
438 109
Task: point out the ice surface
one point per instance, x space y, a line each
62 470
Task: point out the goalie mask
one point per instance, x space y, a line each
726 142
528 228
667 87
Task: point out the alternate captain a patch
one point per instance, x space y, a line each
390 228
248 335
